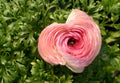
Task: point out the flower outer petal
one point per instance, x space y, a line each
46 45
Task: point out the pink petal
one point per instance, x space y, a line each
77 15
46 45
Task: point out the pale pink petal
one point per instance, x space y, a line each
46 45
78 15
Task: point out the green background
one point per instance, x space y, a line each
21 22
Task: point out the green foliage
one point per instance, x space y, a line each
21 22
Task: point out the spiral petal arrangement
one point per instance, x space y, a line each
74 44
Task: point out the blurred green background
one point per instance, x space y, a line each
21 22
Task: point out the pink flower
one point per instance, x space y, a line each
74 44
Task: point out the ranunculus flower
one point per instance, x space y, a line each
74 44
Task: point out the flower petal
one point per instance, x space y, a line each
46 45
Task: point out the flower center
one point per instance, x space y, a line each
71 41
